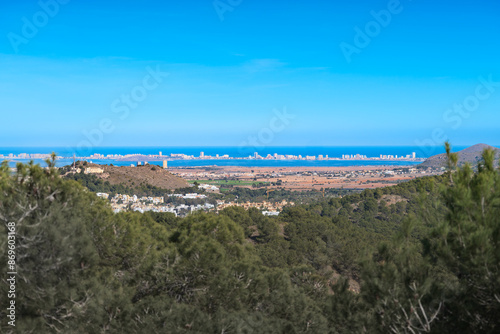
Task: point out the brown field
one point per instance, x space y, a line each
305 178
135 176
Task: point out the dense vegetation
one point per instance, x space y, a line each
280 194
419 257
96 184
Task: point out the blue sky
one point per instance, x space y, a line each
227 77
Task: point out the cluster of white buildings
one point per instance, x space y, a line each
132 199
93 170
176 210
275 156
121 202
395 157
202 156
353 157
267 207
378 173
27 156
270 213
217 156
382 157
209 188
189 196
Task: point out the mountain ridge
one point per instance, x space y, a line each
471 155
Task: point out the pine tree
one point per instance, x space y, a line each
450 282
468 245
60 286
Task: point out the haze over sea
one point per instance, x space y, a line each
238 152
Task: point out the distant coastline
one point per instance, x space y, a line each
324 156
228 156
234 151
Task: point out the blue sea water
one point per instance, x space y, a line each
331 151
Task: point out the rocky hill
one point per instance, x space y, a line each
471 155
141 175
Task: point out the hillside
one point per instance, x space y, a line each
139 176
294 273
471 155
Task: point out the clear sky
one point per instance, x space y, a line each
346 78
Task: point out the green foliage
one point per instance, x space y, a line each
83 268
399 288
468 245
450 282
419 257
59 284
258 195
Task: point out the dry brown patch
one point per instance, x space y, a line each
393 199
152 175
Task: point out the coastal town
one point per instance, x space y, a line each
138 157
122 202
218 180
211 180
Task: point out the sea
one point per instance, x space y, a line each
236 151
